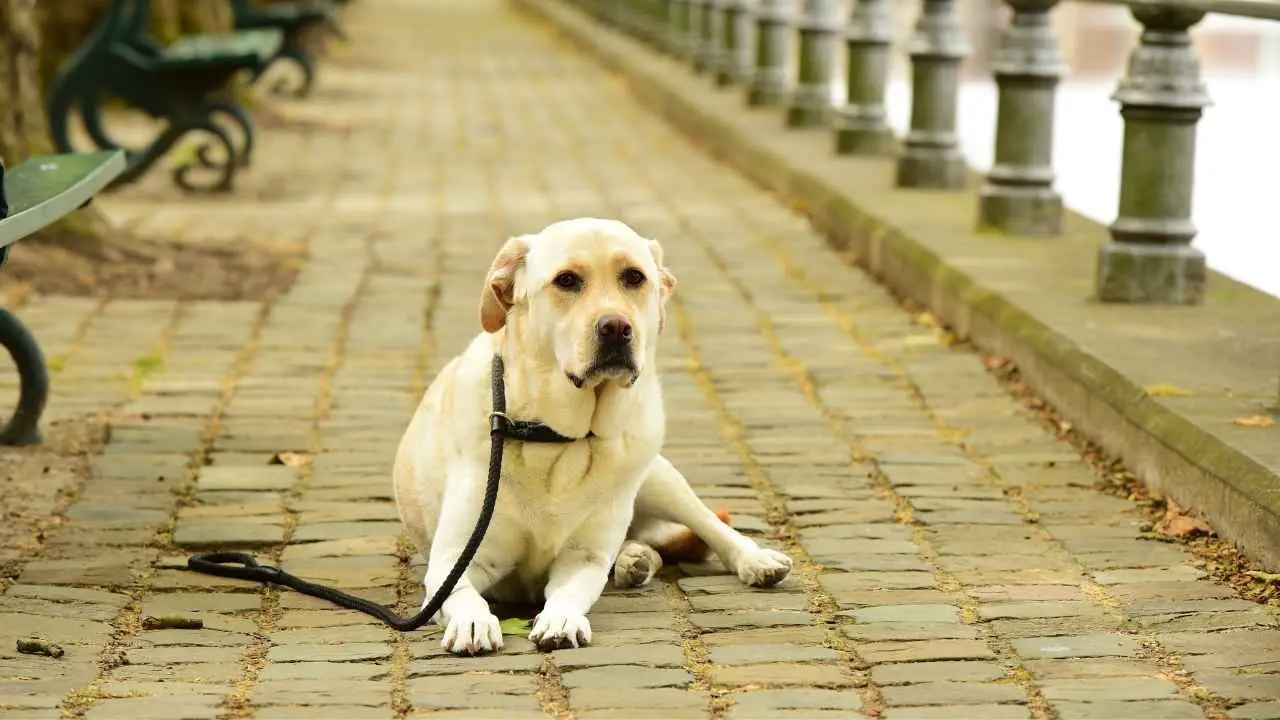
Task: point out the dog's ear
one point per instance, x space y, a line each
666 283
498 294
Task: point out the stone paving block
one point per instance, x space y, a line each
1108 645
715 622
331 670
1175 573
155 708
767 703
811 635
317 652
747 654
776 674
879 632
245 478
962 712
932 613
1106 690
1239 686
866 600
1092 667
944 670
658 656
622 676
1140 710
633 700
749 600
1024 593
948 692
344 712
208 533
297 692
107 568
1047 627
1255 711
344 531
838 582
916 651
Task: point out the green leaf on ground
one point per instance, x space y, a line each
516 626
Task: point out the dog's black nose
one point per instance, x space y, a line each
613 330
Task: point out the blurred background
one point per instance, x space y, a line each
1238 146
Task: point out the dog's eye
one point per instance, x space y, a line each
632 278
568 280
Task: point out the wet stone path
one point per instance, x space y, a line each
952 558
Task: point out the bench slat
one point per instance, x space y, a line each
198 49
48 187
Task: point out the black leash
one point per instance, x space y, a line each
243 566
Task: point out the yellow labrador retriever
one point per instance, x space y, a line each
575 312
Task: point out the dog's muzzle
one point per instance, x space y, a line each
614 352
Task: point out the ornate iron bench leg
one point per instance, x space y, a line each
24 427
240 117
205 158
305 63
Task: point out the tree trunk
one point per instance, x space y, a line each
23 131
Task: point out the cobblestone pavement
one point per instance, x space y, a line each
953 561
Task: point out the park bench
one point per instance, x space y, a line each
296 20
33 195
184 84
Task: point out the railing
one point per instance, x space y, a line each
750 43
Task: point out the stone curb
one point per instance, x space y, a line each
1235 491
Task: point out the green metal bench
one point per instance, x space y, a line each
296 20
183 84
33 195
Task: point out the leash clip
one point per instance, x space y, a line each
499 423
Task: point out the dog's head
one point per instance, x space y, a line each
589 293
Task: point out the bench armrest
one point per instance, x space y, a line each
48 187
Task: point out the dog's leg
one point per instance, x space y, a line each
636 565
576 579
666 495
470 628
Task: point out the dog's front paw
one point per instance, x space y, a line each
553 630
636 565
472 634
763 568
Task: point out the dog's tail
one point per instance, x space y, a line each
677 543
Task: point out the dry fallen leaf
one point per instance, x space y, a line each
1255 421
995 362
1166 390
1177 522
292 459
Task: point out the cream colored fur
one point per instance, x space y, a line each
568 515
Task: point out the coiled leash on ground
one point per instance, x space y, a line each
243 566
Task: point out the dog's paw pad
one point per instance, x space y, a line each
472 634
764 568
636 565
553 631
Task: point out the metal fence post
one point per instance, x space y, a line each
931 157
1161 99
736 37
862 127
819 25
770 78
1018 196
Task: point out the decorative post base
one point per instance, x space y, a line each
1031 211
876 139
932 169
1150 273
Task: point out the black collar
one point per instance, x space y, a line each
530 431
